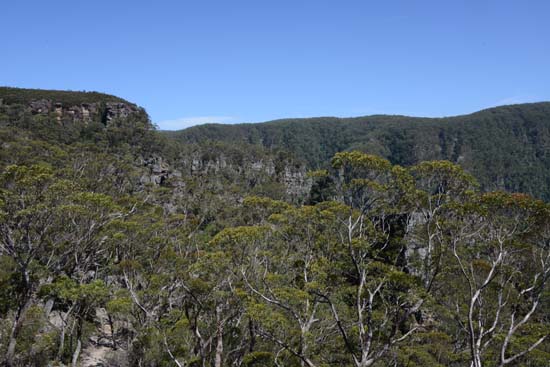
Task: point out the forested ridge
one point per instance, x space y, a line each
24 96
235 246
503 147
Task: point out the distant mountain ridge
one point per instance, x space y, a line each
506 147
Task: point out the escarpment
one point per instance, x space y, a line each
65 106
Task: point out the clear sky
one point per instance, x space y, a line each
232 61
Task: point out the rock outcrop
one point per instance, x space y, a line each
84 112
223 171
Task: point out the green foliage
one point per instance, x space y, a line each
67 98
502 147
204 253
256 359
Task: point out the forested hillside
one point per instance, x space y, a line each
504 147
279 244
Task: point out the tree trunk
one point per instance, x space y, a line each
112 325
61 344
64 321
76 353
252 336
219 335
10 353
48 306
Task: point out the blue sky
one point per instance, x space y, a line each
190 62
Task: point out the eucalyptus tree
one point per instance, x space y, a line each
499 250
49 228
374 306
284 276
28 230
438 184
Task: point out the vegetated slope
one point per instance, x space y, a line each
59 127
11 95
506 147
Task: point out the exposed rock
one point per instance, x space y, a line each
158 172
253 170
85 112
296 182
41 106
118 110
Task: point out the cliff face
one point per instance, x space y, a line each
253 174
253 171
85 112
66 106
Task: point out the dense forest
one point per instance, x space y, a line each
504 147
375 241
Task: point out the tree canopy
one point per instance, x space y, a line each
117 242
